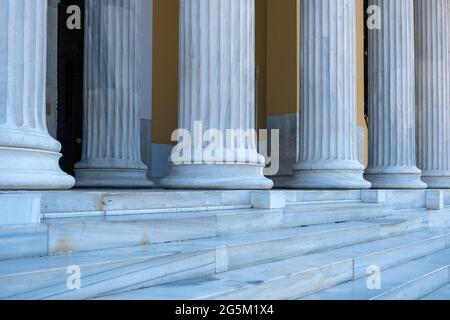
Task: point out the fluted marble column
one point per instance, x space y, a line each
328 145
28 155
391 98
217 88
432 93
111 135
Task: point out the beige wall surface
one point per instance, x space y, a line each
165 69
282 57
360 54
261 60
277 56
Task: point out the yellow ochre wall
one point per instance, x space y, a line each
283 57
165 70
277 56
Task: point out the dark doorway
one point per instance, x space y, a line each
70 87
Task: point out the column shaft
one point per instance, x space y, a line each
111 135
217 89
391 98
328 145
28 155
432 94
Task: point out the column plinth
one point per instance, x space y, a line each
111 135
28 155
391 99
328 133
217 88
432 93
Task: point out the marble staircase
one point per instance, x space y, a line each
314 245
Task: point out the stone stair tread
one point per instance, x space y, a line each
325 195
219 285
397 217
374 247
320 214
441 294
87 202
144 217
116 254
137 267
323 202
25 265
145 272
334 205
391 279
126 262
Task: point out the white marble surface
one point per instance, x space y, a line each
28 154
409 281
231 249
391 99
406 199
297 277
435 199
277 280
374 196
83 234
111 130
23 241
432 92
268 199
311 214
52 68
105 202
328 127
217 88
441 294
322 195
20 209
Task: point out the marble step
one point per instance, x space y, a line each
143 265
123 231
86 234
202 256
73 203
329 212
293 277
393 251
440 219
23 241
293 196
275 281
410 281
440 294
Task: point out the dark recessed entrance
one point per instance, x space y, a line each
70 87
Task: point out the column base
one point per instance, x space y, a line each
395 181
329 180
217 177
433 182
32 169
112 178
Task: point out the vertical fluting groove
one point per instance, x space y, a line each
328 120
111 133
216 85
217 64
23 42
28 154
391 98
328 144
432 94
